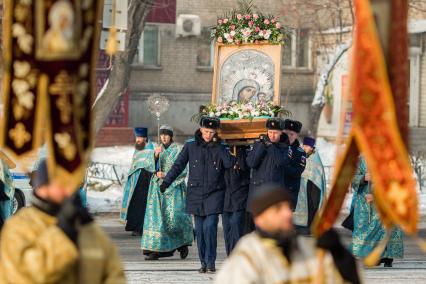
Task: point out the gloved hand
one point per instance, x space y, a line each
263 138
284 140
164 186
342 258
72 212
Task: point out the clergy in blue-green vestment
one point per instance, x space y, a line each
136 189
7 191
368 230
312 188
167 227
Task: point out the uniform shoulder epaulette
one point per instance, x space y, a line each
190 140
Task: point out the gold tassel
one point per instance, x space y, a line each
111 44
320 276
374 257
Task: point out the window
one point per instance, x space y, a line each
205 49
148 53
297 49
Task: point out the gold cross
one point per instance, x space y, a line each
63 87
19 135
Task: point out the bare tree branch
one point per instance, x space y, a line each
120 73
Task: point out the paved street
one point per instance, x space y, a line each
173 270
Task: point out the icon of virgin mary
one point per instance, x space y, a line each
59 38
245 91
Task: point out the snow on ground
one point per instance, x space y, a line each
109 200
105 201
117 155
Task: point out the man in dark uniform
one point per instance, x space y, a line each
207 159
237 181
268 160
294 169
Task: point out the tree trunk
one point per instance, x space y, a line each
119 76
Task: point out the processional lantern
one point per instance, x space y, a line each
157 105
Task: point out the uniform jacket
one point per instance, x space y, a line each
237 181
294 169
34 250
206 168
268 164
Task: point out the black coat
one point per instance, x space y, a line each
268 165
206 184
237 181
293 170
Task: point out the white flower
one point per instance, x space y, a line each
232 33
267 34
261 33
211 114
246 32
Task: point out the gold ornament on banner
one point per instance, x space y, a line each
375 133
50 51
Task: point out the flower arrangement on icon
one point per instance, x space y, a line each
254 28
239 110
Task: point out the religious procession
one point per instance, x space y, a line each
233 141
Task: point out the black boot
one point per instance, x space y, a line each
152 256
388 262
184 251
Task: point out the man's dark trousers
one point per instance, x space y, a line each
233 228
206 234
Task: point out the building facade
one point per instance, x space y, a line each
181 68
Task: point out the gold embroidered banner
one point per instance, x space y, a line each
51 48
375 133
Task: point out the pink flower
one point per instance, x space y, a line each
273 21
232 27
220 39
225 21
257 29
255 16
251 23
237 41
239 16
266 22
278 25
256 41
219 21
247 17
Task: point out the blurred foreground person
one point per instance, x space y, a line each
7 190
135 195
275 254
56 241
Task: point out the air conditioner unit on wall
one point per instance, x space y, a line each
188 25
